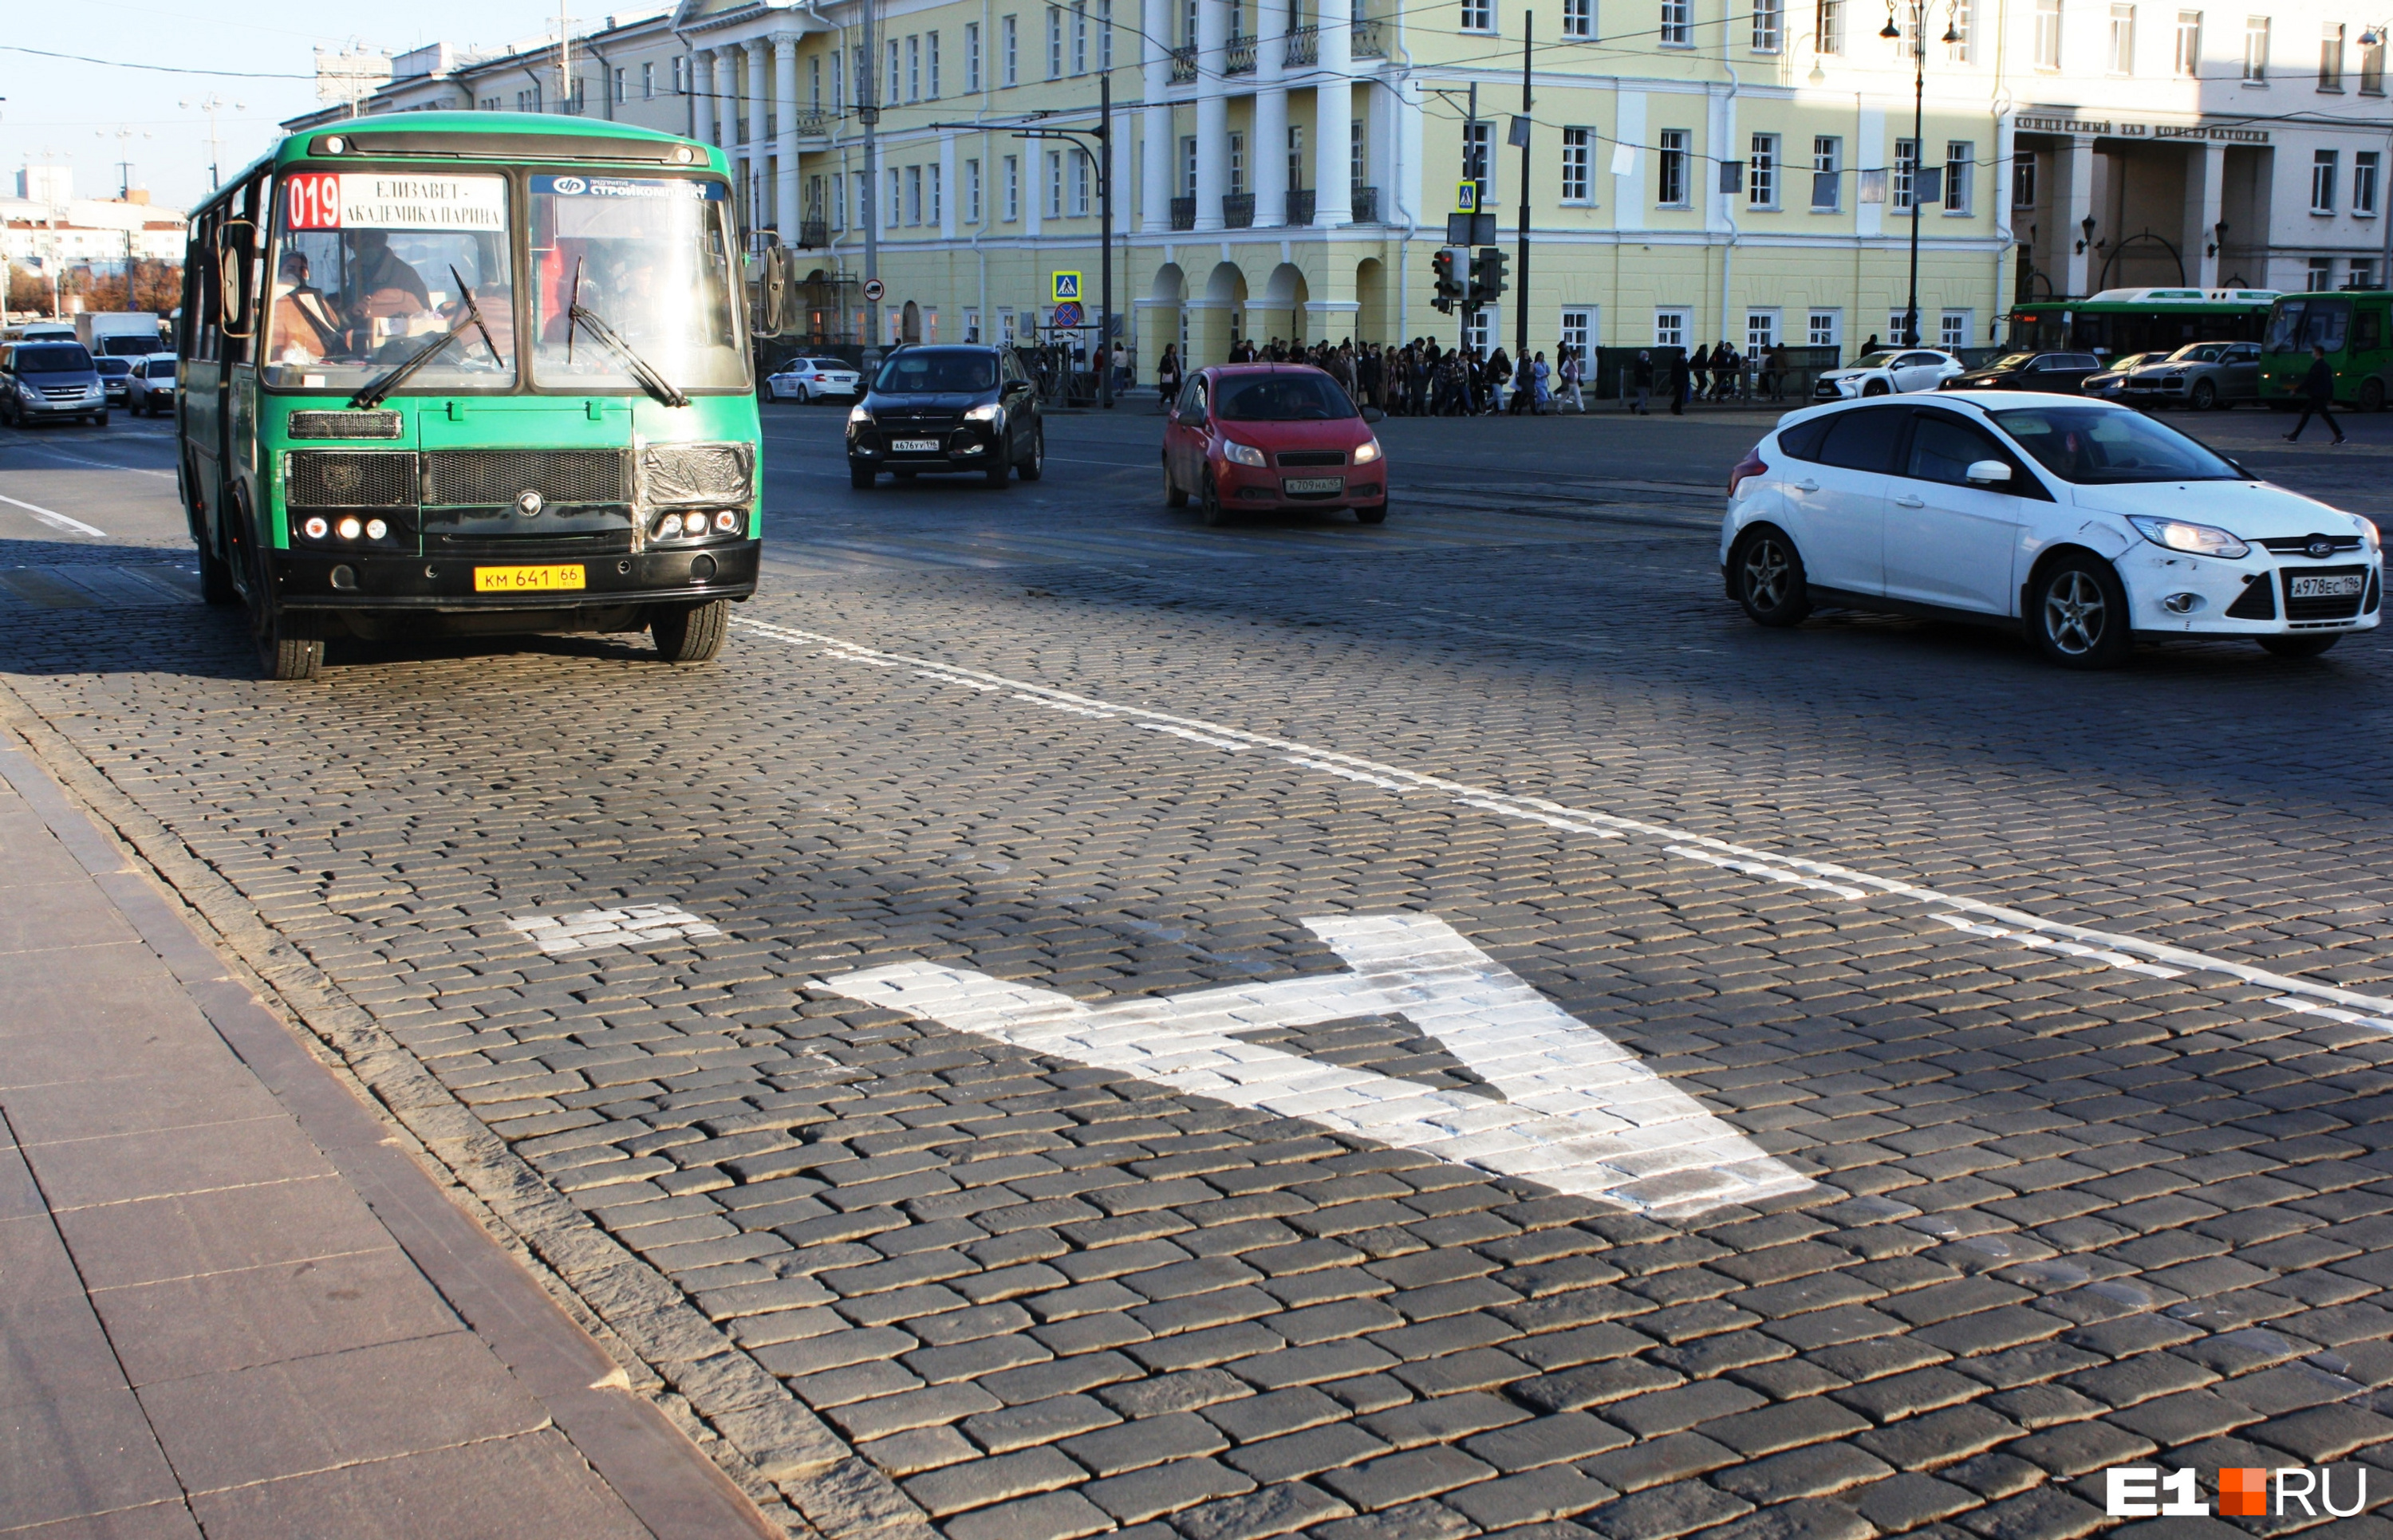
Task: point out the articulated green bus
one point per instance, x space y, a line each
2120 321
474 374
2354 327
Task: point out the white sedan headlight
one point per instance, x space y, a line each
2199 540
1243 454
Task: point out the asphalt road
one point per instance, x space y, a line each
1079 1021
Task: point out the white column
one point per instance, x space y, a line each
701 85
785 68
1269 154
2078 184
1627 171
1333 117
2205 167
1155 145
949 193
760 65
1213 113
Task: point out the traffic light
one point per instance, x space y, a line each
1487 270
1450 288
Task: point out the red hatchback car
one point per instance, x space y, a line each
1266 435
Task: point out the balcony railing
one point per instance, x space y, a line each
1300 206
1239 211
1303 48
1184 213
811 121
1240 57
1368 44
813 232
1367 204
1183 64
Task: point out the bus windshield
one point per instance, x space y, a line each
370 267
2299 323
649 260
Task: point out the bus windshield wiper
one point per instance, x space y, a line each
650 381
372 394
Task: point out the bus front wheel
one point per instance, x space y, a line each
281 654
691 633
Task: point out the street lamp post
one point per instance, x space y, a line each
1918 142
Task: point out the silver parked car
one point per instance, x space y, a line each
2110 382
2199 374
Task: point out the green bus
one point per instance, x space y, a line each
2352 324
2120 321
470 373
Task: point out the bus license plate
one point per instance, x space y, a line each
1300 485
915 446
2327 588
528 580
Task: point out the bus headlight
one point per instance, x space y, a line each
315 529
376 529
350 529
726 521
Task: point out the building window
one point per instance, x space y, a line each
1769 25
2363 273
1821 330
1827 179
1013 170
1478 16
931 65
1081 177
1005 332
1760 332
1829 24
1104 35
893 210
2364 181
1906 165
1578 19
2023 179
2047 34
1677 24
1478 158
1670 187
897 92
2189 44
2322 274
913 195
1081 37
1578 153
1237 165
1963 48
1953 331
972 192
914 69
972 57
838 85
2122 39
1358 167
1188 165
1054 43
1960 159
2255 50
1188 25
2331 58
2372 62
681 74
1579 333
1761 172
938 194
2322 168
1669 328
1295 156
1054 184
1008 41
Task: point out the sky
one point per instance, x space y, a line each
91 117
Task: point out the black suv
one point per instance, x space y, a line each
962 408
2062 372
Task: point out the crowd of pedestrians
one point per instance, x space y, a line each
1424 378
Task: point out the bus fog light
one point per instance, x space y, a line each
376 529
351 528
316 528
726 521
693 524
344 577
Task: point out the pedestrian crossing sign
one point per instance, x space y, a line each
1465 198
1068 287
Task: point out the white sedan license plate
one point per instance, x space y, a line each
1300 485
2327 588
915 446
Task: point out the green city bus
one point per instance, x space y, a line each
2119 322
464 373
2353 326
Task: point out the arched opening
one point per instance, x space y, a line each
912 325
1372 322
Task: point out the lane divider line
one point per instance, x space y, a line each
2018 921
1059 706
52 516
1755 869
1222 743
82 460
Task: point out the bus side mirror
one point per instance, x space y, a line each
232 261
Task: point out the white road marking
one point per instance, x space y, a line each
632 925
1193 737
1756 868
2171 960
1578 1113
1059 706
2374 1023
1341 771
82 460
74 526
951 679
1512 810
2071 949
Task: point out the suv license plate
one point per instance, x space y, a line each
1301 485
915 446
2327 588
528 580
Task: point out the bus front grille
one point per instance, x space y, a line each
472 479
351 478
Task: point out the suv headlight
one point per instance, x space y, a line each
858 417
2200 540
993 413
1243 454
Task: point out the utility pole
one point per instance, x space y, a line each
868 111
1476 168
564 60
1105 342
1520 280
212 104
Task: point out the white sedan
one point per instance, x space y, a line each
1891 372
2086 524
813 380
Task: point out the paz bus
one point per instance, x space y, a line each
2119 322
465 373
2351 324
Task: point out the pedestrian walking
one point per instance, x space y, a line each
1542 382
1166 377
1641 376
2317 396
1680 378
1524 386
1574 369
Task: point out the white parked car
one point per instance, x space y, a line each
1890 371
813 380
2085 523
151 391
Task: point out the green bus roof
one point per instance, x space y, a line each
466 137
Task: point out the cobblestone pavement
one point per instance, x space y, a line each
944 1040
